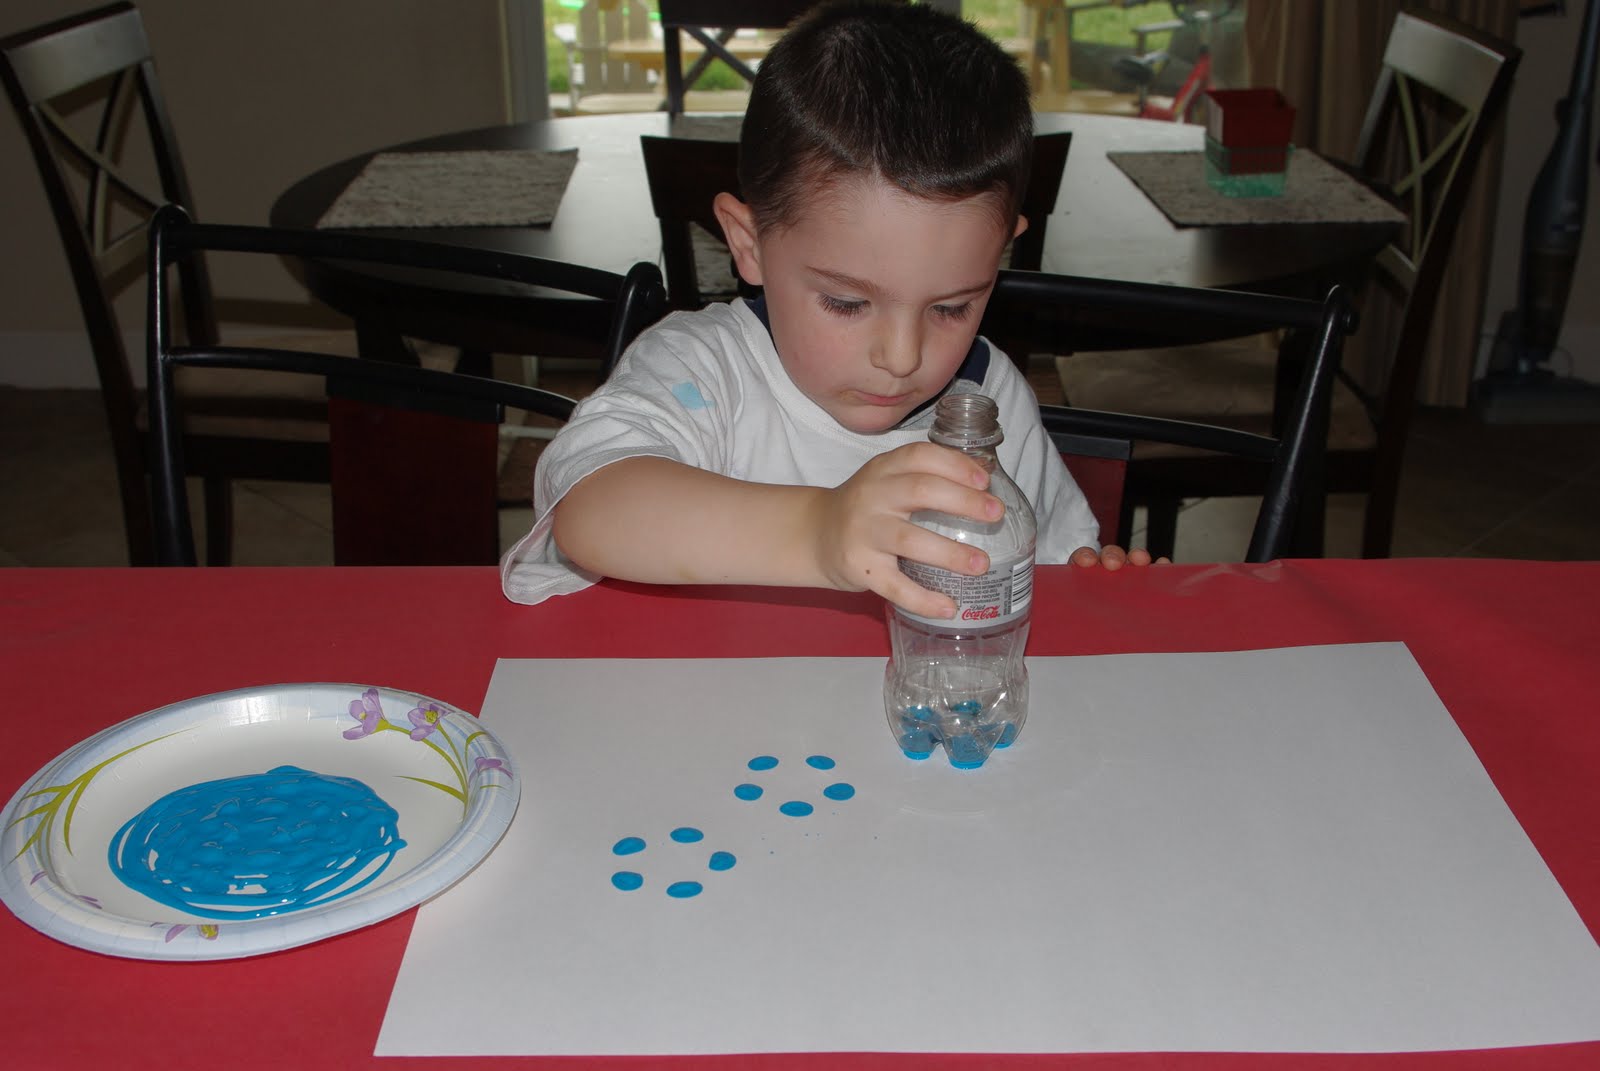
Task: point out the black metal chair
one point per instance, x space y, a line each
101 197
637 300
1055 311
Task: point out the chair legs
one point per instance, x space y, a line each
1161 526
219 520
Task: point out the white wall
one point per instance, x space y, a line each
1549 45
260 94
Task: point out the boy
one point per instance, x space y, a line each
784 441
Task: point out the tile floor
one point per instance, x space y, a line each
1468 489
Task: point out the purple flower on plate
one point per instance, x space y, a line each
367 712
483 762
208 930
425 719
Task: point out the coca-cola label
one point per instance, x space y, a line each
998 597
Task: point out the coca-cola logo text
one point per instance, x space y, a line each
980 613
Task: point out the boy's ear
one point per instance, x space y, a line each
739 227
1022 225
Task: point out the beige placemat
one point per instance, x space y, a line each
1314 192
487 188
706 127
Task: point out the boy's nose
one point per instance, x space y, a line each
898 350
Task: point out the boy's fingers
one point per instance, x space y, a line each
1113 557
913 597
1085 557
920 545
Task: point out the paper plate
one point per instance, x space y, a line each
255 820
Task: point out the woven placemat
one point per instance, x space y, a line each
1314 191
480 188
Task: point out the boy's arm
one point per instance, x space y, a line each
655 520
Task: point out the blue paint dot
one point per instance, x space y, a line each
748 792
763 762
627 880
841 791
967 706
722 860
687 835
682 890
1007 736
796 808
628 846
921 713
820 762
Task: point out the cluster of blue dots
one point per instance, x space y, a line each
629 880
838 791
632 880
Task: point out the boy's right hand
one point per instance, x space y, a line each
864 525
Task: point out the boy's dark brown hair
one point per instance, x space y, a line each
902 91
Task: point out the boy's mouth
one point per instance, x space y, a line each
884 400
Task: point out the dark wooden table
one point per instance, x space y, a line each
1103 226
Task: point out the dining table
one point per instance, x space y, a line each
1103 225
1508 646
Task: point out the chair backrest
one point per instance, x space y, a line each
73 84
638 299
1058 311
685 174
1441 86
712 23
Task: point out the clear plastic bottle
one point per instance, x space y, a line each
962 682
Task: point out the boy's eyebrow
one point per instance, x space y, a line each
865 286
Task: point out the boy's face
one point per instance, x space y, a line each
874 295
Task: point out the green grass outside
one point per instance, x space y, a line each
999 18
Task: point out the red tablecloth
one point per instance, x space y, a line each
1511 648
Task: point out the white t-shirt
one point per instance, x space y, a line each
706 389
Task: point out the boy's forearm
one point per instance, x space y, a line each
658 521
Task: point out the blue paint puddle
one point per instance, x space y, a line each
747 791
258 845
762 762
628 846
627 880
722 860
820 762
687 835
796 808
682 890
841 791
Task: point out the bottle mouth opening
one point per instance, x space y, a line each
966 421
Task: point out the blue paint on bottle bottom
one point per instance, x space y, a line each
628 846
682 890
796 808
627 880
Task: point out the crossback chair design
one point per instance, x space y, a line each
1055 310
101 201
713 23
1432 66
637 300
685 174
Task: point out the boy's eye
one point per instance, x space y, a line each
839 306
953 312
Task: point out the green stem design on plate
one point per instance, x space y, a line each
68 794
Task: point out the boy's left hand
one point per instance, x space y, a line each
1114 557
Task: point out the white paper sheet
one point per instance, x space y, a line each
1288 850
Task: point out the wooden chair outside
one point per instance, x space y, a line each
1442 86
712 23
239 427
405 495
597 82
1097 445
